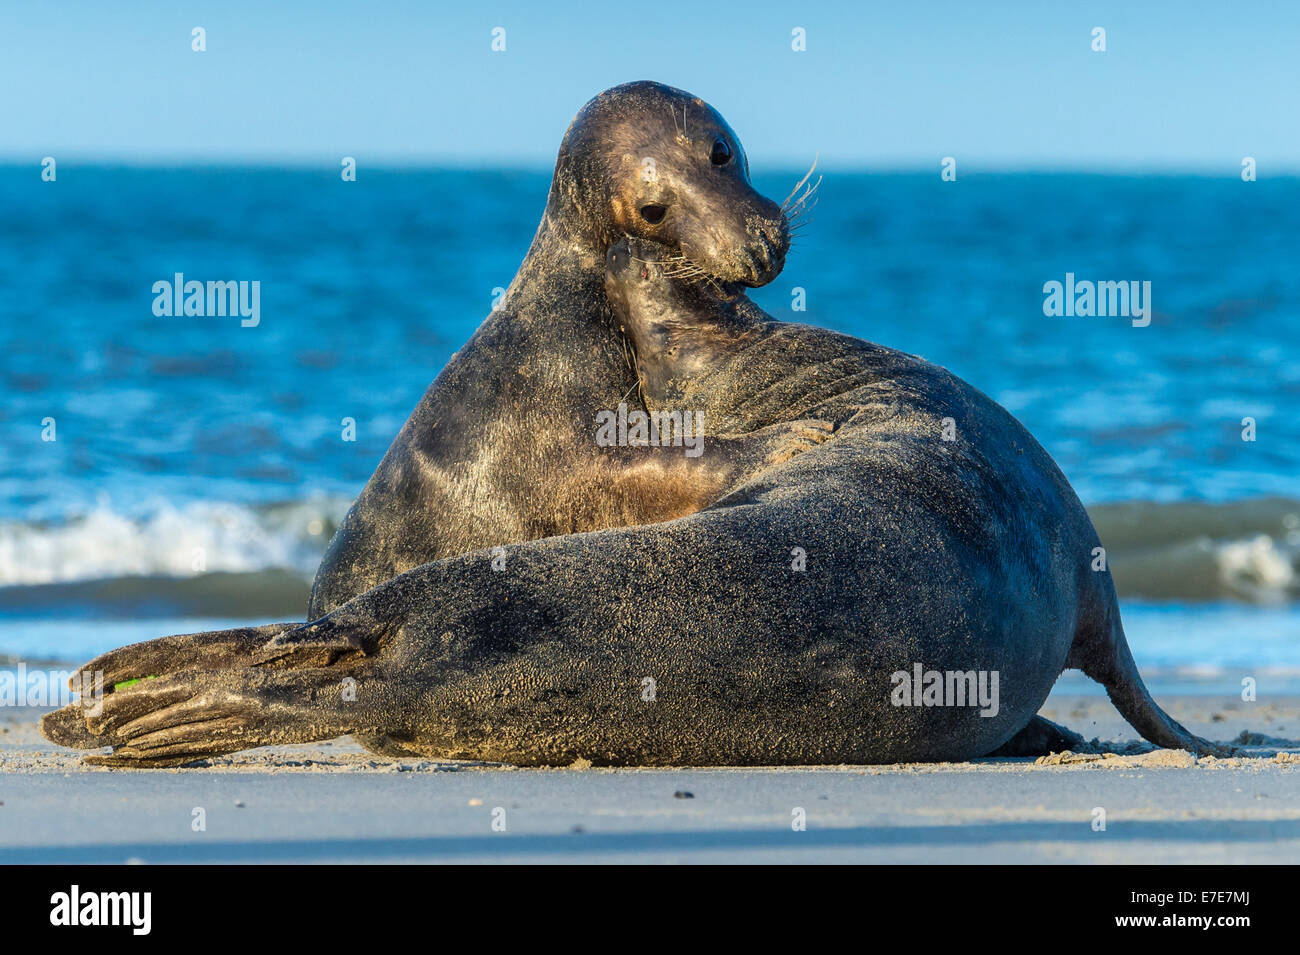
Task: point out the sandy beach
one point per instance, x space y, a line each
333 802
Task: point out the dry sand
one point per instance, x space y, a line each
333 802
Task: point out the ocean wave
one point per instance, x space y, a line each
1245 551
168 540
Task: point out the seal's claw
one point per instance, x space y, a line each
1205 747
120 708
67 727
129 759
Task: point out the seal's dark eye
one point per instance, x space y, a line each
653 214
721 154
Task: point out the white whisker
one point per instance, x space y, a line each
802 182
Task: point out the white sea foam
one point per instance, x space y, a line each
1258 567
169 540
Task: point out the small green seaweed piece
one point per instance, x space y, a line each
125 683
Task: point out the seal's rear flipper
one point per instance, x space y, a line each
1042 737
180 718
183 697
212 650
1103 654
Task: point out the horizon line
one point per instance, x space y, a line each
500 164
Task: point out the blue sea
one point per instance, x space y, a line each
181 436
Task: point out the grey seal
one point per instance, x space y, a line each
699 640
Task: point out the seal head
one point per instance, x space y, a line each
652 162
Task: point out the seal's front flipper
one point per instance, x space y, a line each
791 438
1042 737
752 451
177 719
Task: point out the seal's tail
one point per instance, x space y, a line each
1103 654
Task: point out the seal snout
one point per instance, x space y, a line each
631 260
747 245
618 258
770 237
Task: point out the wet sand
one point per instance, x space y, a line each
333 802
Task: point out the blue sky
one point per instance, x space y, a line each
1186 85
